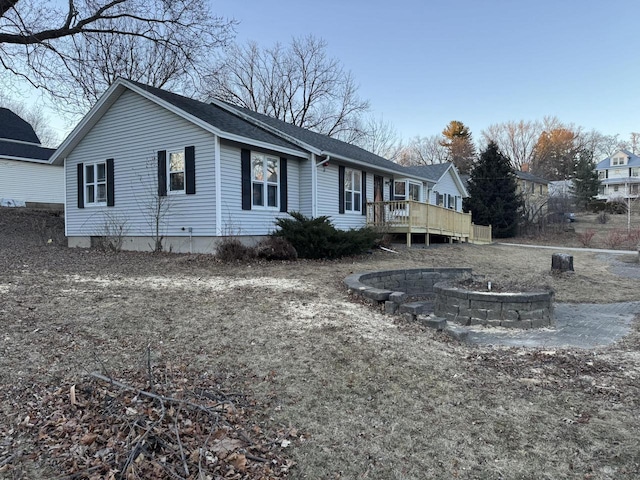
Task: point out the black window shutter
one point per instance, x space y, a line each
341 189
162 173
111 201
391 198
283 185
190 170
364 192
245 168
81 185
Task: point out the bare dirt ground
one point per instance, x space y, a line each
285 375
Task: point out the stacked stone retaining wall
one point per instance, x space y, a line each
392 288
511 310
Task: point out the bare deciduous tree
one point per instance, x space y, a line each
424 151
88 43
516 140
298 84
380 137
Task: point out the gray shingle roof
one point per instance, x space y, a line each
22 150
634 161
433 172
324 142
215 116
13 127
231 119
531 177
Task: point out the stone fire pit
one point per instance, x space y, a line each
468 307
435 296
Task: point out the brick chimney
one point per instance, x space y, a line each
524 167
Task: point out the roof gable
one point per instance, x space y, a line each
634 161
233 123
209 117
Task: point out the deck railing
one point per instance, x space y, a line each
416 217
480 234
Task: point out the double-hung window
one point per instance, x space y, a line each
176 172
264 180
352 190
95 181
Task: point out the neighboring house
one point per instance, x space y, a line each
149 163
26 177
561 188
534 192
619 176
449 189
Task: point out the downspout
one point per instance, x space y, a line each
218 184
66 209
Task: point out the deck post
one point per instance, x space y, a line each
409 239
426 241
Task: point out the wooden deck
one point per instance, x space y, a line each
410 217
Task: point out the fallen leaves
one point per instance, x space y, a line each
188 428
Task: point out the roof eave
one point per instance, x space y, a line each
117 88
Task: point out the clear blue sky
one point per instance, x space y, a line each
424 63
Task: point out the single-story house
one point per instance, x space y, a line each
619 176
152 165
26 176
449 189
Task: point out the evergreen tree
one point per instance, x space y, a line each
585 179
493 198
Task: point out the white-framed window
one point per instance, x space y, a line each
352 190
602 174
407 190
175 173
265 171
635 172
615 188
95 183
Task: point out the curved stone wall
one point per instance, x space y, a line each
393 288
511 310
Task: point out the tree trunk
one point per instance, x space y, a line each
561 262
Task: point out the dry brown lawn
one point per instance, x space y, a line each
365 395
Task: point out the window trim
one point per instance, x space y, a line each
265 182
182 191
95 184
356 205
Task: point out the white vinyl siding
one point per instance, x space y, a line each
305 180
31 181
447 187
328 202
257 221
131 132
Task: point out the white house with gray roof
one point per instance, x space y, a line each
26 176
449 189
150 161
619 176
